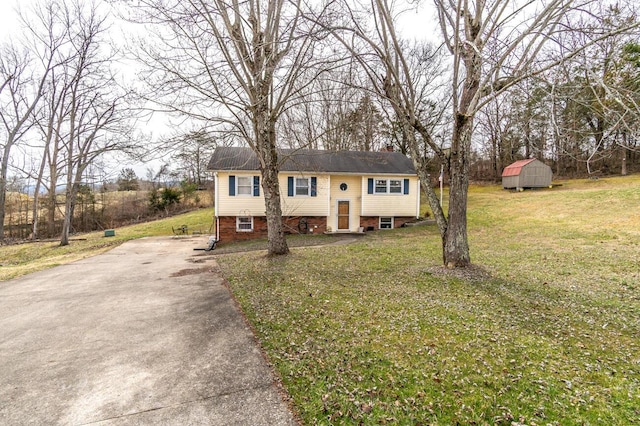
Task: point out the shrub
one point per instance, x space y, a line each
162 199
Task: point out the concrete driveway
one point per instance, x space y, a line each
143 334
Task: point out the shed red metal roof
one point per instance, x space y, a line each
515 168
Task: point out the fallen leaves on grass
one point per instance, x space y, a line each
546 332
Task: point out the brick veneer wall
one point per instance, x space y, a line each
315 225
374 221
369 221
399 221
227 227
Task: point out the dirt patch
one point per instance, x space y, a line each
471 273
203 257
195 271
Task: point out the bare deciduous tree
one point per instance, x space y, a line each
82 117
329 116
407 77
601 100
193 151
95 119
233 63
493 46
23 80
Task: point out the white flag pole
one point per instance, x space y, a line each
441 178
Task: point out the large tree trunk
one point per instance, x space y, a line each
277 243
455 247
51 196
266 134
71 194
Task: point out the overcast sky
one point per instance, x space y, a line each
8 17
9 24
414 24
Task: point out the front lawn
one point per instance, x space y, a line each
544 330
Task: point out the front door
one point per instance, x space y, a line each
343 215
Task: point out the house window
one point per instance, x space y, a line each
386 223
388 186
302 186
244 224
245 185
381 186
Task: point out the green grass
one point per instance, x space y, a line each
545 330
21 259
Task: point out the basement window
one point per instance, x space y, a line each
386 223
244 224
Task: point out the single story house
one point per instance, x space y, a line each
321 191
529 173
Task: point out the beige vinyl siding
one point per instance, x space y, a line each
238 205
352 194
390 204
360 203
245 205
304 205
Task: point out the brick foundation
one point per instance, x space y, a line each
305 224
292 225
374 221
227 229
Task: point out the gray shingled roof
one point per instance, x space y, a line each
316 161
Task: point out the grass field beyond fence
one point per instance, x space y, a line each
545 330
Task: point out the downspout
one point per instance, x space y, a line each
418 200
326 226
363 185
216 200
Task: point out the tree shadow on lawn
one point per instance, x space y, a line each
543 308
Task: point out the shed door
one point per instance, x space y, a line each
343 215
